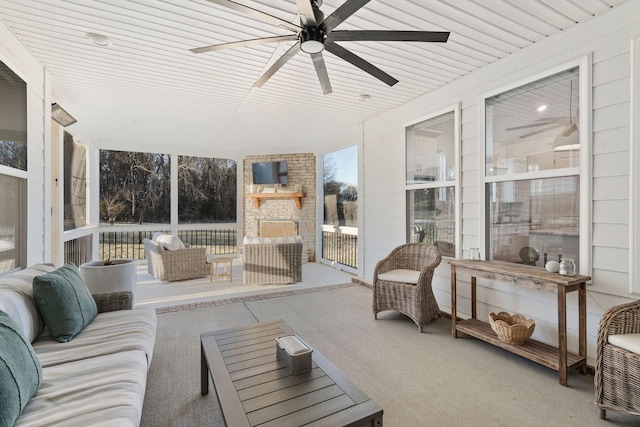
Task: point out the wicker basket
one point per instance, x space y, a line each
514 329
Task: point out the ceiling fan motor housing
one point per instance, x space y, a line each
312 40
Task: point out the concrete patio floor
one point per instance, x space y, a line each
151 292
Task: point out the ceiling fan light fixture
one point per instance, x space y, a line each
568 140
312 40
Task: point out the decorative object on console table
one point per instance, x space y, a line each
112 275
514 329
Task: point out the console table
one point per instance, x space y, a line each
557 358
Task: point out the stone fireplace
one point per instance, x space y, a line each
281 214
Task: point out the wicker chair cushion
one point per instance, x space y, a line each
400 276
65 303
170 242
629 342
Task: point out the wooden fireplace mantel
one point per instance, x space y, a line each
297 196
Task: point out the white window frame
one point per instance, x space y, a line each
634 244
585 171
456 182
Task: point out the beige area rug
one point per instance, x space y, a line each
428 379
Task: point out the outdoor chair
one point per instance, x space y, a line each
172 260
402 282
617 375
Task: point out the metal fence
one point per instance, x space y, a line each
340 247
129 244
78 251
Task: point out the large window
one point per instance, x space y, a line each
532 175
430 182
13 164
340 224
206 190
135 188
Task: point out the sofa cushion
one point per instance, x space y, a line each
20 370
16 299
64 301
401 276
110 332
170 242
100 391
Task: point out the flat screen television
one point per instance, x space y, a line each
270 172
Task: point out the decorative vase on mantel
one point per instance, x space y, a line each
112 275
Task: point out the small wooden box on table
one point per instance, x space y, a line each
557 358
254 388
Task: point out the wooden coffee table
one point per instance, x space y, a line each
254 388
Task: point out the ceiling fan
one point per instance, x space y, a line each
550 123
316 33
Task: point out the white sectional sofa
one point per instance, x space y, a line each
98 377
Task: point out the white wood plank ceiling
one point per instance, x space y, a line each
147 90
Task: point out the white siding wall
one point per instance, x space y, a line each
19 59
607 38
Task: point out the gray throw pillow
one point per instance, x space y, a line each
20 371
65 303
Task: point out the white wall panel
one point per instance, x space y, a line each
611 140
611 211
607 39
611 164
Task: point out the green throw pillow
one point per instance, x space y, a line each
20 371
65 303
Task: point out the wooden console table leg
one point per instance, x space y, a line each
582 325
454 332
562 335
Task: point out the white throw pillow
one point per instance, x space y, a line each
170 242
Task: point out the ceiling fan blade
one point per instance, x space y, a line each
359 62
306 13
390 36
534 125
242 43
544 129
277 65
257 14
347 9
321 71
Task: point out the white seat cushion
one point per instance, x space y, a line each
630 342
401 276
100 391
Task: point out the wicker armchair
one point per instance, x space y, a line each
270 263
617 375
181 264
402 282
